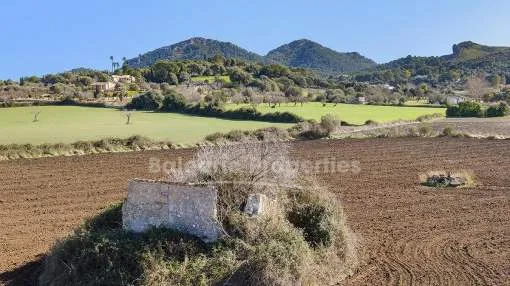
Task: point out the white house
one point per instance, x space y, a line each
123 78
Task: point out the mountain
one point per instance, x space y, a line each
465 54
467 58
467 51
298 54
307 54
194 49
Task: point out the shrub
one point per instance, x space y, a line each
442 179
314 130
236 135
465 109
146 101
498 110
427 117
215 137
449 131
173 101
330 123
315 221
425 130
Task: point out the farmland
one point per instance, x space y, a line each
352 113
66 124
409 234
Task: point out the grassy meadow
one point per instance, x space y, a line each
67 124
352 113
211 79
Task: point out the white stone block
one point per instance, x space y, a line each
185 208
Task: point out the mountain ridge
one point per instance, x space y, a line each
301 53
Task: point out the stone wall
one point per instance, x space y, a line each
185 208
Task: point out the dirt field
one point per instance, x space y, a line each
409 234
497 126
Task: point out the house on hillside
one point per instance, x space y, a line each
123 78
388 87
103 86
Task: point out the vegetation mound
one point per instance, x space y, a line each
447 179
302 239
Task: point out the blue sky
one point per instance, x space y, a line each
40 37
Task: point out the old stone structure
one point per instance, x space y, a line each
185 208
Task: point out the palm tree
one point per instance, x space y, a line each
113 66
124 60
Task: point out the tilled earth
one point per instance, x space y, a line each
409 234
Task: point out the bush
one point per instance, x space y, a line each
425 130
498 110
427 117
330 123
146 101
449 131
174 102
315 221
465 109
315 130
215 137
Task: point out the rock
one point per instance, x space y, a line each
457 181
185 208
256 204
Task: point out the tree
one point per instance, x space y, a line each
113 64
476 86
174 102
124 61
36 115
495 80
128 114
120 91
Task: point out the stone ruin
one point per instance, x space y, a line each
189 209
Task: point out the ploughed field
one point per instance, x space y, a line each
409 234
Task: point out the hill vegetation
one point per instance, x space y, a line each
298 54
307 54
193 49
467 59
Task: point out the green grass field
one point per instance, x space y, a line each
66 124
210 79
352 113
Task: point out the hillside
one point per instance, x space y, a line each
193 49
307 54
467 58
298 54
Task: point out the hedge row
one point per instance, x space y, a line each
175 102
474 109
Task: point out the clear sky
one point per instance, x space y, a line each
39 37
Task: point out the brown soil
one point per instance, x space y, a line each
496 126
409 234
